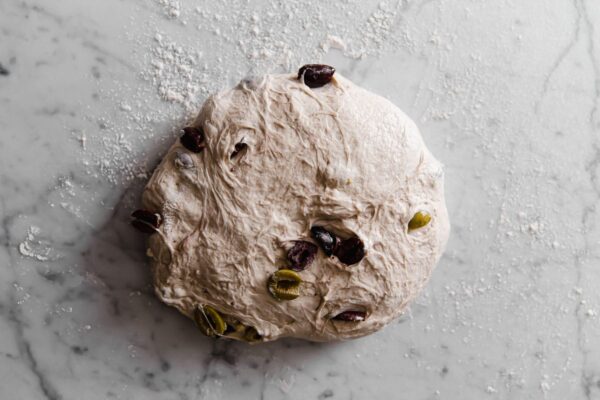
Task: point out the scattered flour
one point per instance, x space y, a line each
22 295
220 45
171 8
175 73
36 248
237 38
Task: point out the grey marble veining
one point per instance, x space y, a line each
506 94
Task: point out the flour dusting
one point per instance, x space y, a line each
36 248
221 45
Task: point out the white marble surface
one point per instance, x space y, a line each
506 93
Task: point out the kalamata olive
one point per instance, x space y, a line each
350 251
327 240
301 255
146 221
351 316
316 75
239 149
193 139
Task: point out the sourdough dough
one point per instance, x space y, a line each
336 156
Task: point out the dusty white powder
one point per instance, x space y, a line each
228 41
220 45
171 8
174 72
34 247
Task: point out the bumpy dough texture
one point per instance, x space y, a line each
337 156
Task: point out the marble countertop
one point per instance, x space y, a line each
506 94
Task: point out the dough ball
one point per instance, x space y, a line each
291 209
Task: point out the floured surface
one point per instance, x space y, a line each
504 94
337 156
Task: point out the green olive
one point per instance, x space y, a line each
252 335
239 331
209 321
284 284
419 220
238 328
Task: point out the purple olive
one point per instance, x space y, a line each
301 255
316 75
146 221
327 240
239 148
351 316
193 139
350 251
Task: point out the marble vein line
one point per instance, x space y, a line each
596 68
46 387
95 47
4 71
16 317
591 166
584 379
561 57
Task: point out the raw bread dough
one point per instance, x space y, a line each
336 156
